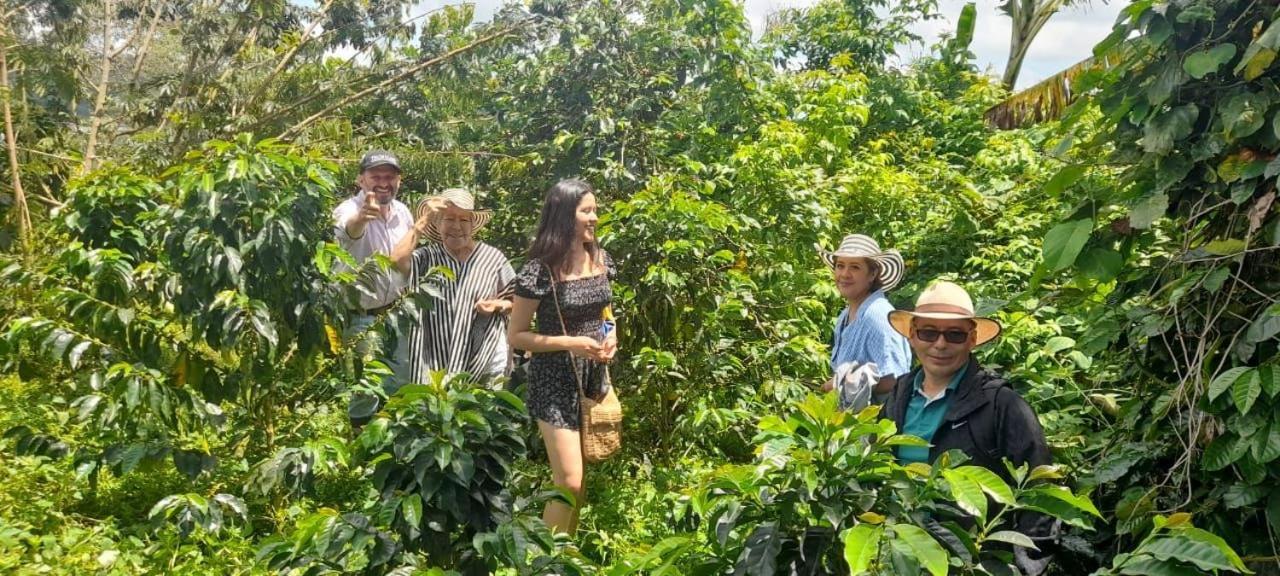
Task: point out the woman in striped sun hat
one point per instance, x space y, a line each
867 355
464 330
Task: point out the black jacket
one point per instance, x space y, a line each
986 419
989 421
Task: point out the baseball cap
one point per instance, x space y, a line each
375 158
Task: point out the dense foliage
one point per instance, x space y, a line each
176 384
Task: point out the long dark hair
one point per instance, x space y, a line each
558 225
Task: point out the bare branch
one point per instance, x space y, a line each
289 56
11 143
146 47
392 81
100 101
347 64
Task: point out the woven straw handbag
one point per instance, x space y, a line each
600 425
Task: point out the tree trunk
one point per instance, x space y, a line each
1013 68
1028 19
100 100
11 143
142 51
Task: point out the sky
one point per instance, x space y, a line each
1067 38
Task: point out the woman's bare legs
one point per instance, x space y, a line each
564 451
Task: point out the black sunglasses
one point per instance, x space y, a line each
951 336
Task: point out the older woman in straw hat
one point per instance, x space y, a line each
954 404
465 328
866 354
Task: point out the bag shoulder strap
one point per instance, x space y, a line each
564 331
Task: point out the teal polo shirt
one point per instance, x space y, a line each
924 416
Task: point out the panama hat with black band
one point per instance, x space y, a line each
944 300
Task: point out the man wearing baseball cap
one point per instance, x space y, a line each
368 223
954 404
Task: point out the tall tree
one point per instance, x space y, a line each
1029 17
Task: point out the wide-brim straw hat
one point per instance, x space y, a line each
460 198
945 301
862 246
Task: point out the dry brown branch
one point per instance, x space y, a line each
408 73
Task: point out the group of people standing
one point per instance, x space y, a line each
556 305
484 308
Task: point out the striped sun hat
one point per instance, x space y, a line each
461 198
863 246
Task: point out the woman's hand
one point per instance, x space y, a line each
434 204
587 347
610 347
829 385
491 307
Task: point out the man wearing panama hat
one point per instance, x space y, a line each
954 404
464 328
867 356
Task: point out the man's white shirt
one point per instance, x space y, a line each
380 236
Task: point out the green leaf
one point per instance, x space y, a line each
73 357
1147 210
1273 510
1162 131
967 493
411 508
1046 472
1198 535
1063 179
1165 81
1243 114
965 25
1012 537
1260 53
1222 452
1265 442
861 546
1246 390
760 552
1265 327
1269 376
1101 264
1057 344
1183 549
922 547
1240 496
1148 566
1205 62
1061 503
991 484
1224 381
906 440
1063 243
1214 280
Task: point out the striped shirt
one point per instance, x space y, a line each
870 338
449 334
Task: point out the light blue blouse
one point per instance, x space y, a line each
870 338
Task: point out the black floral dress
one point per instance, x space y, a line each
552 393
